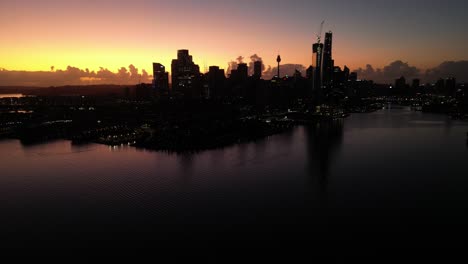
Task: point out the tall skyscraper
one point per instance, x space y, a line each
400 83
185 73
242 71
257 69
317 50
328 63
346 73
160 79
215 79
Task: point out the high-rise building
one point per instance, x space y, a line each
328 63
215 79
185 73
450 86
160 79
338 77
353 77
317 50
416 83
400 83
257 69
310 73
242 71
346 73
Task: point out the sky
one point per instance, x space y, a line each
48 35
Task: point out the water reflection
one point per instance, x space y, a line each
186 163
323 141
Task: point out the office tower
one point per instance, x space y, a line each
215 79
317 50
346 73
338 77
242 71
160 79
416 83
353 77
185 73
450 86
257 69
328 63
400 83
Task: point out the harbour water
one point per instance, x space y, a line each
392 180
11 95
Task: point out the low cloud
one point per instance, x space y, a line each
232 65
285 69
73 76
396 69
253 59
267 72
457 69
389 73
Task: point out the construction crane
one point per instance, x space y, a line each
317 50
319 34
316 46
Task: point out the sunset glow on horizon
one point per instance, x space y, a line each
37 35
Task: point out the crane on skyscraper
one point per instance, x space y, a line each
319 34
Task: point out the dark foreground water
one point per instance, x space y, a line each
384 183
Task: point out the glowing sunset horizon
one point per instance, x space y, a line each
108 35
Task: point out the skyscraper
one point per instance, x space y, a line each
346 73
328 63
215 79
317 49
258 69
185 73
160 79
400 83
242 71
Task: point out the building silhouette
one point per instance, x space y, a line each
353 77
242 71
310 73
258 69
215 79
328 62
400 83
160 79
185 74
317 50
346 73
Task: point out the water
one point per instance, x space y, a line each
11 95
379 182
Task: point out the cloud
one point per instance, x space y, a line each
73 76
253 59
457 69
389 73
396 69
285 69
267 72
232 65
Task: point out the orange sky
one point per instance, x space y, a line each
112 34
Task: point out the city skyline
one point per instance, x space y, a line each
79 35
